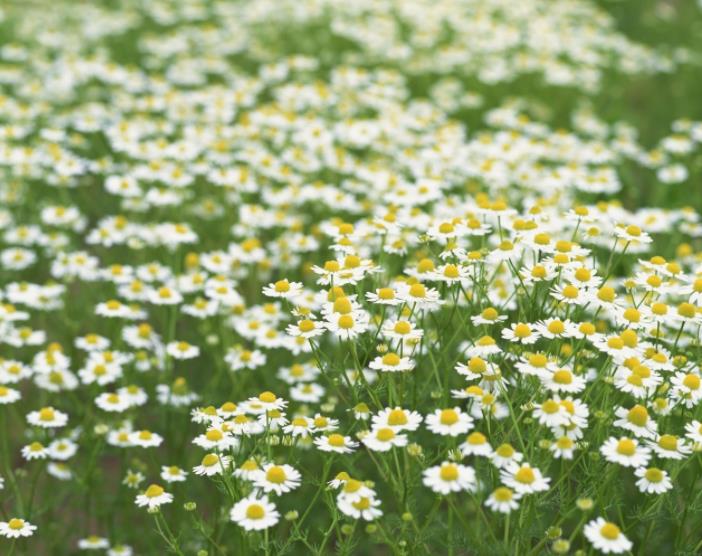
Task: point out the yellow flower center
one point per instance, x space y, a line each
46 414
626 447
362 504
418 290
276 474
477 365
449 472
210 459
346 322
562 376
282 286
476 439
570 292
490 314
564 443
505 451
583 274
638 415
525 475
255 511
538 360
449 417
214 435
486 341
342 305
397 417
692 382
15 523
615 342
610 531
391 359
153 491
267 397
538 271
386 293
502 494
336 440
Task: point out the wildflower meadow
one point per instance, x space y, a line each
355 277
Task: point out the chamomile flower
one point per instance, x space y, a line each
254 513
93 542
488 317
382 439
8 395
398 419
276 478
213 464
347 326
449 422
450 477
173 474
335 443
693 430
503 500
669 446
524 478
112 402
563 447
627 452
653 480
62 449
384 296
476 444
16 528
505 455
636 420
153 497
364 507
47 417
216 438
521 333
563 380
606 537
182 350
391 363
283 289
145 439
306 328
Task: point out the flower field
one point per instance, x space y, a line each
371 277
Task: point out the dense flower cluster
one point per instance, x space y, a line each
260 282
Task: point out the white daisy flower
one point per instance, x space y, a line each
382 439
449 422
276 478
254 514
450 477
625 451
606 537
16 528
153 497
503 500
653 480
524 478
